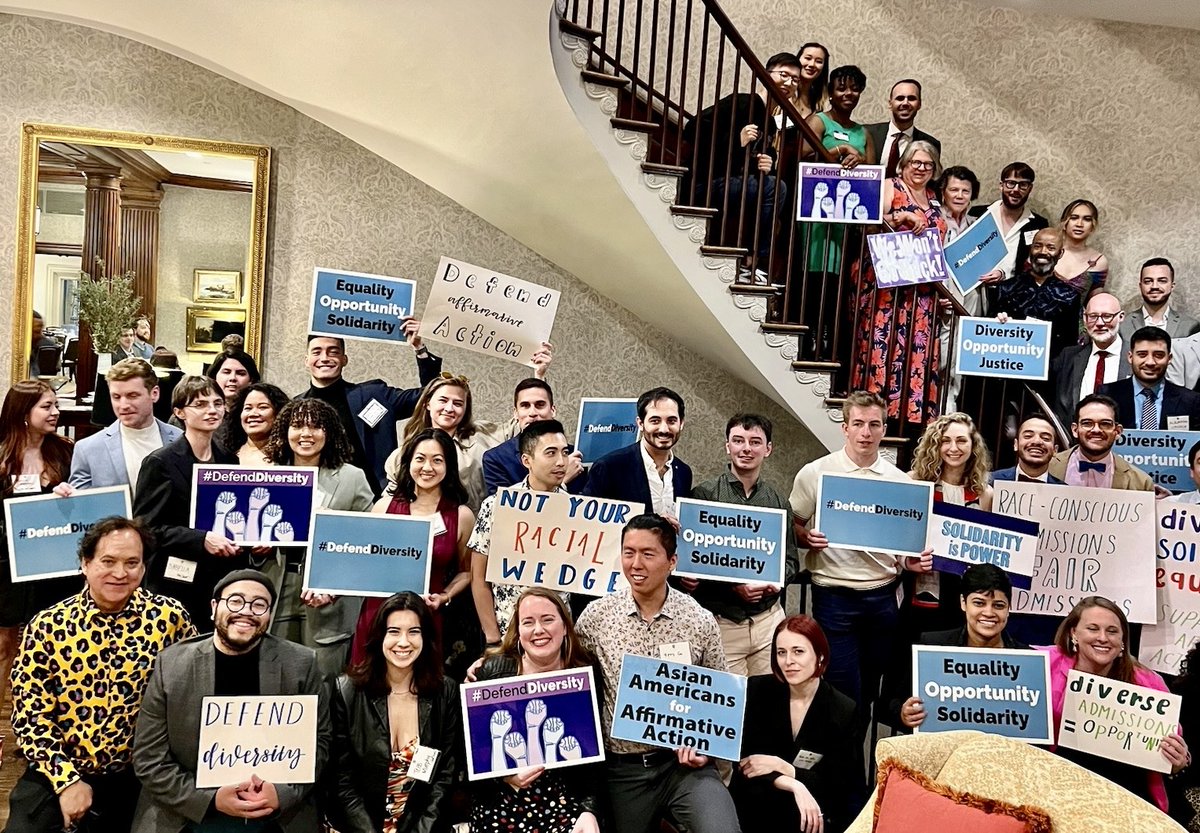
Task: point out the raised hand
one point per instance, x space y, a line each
258 499
552 732
272 514
235 522
499 725
283 532
514 747
226 503
569 749
535 716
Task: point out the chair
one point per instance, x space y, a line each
47 360
71 356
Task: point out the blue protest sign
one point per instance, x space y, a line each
726 542
358 305
270 505
975 252
1161 454
364 554
905 259
992 690
605 425
670 704
833 194
549 720
1016 350
44 531
867 513
962 536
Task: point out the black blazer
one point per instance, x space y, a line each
356 785
879 133
621 475
1066 375
1177 401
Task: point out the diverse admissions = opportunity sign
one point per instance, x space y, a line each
869 513
487 312
1165 643
727 542
1161 454
272 737
829 193
1015 350
548 719
365 554
44 531
902 258
605 425
1119 721
1002 692
671 705
975 252
961 536
269 505
359 305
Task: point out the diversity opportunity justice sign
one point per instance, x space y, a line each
44 531
359 305
270 505
564 542
1161 454
273 737
1116 720
670 704
998 691
833 194
726 542
902 258
605 425
961 536
975 252
1177 574
487 312
1092 542
1015 350
549 720
868 513
365 554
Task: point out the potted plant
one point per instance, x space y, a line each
108 306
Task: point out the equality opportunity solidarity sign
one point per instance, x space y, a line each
270 505
1001 692
670 704
1177 575
359 305
487 312
44 531
364 554
902 258
1161 454
564 542
1119 721
273 737
727 542
868 513
975 252
549 720
1014 350
962 536
833 194
1092 542
605 425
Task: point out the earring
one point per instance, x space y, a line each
1074 645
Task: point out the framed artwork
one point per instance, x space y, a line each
212 286
207 326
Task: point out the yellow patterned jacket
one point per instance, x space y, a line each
77 682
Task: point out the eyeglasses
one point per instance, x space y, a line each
921 166
785 77
1103 424
1105 317
237 604
1016 184
447 375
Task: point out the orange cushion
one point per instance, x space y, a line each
909 801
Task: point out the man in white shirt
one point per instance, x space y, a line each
1016 221
892 137
1156 282
1082 370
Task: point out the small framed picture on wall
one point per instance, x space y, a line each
214 286
207 326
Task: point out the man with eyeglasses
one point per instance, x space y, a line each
1036 293
239 660
1016 221
1148 401
1092 462
892 137
1083 369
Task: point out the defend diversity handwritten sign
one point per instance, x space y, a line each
564 542
359 305
1092 542
670 704
726 542
270 505
831 193
867 513
997 691
364 554
549 720
273 737
1161 454
44 531
962 536
1015 350
605 425
975 252
1177 575
905 259
1116 720
487 312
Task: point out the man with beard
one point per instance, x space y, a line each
1148 401
1156 283
1083 369
239 660
1038 294
1035 446
1092 462
892 137
1016 222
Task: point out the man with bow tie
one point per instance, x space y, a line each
1092 462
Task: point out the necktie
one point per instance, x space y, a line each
1099 370
1085 466
894 153
1148 422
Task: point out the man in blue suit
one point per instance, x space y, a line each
533 401
1035 446
113 457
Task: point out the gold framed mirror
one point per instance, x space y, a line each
176 212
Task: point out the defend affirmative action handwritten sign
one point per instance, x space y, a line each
269 505
868 513
366 554
1161 454
727 542
962 536
905 259
44 531
272 737
1177 575
1015 350
564 542
359 305
833 194
1116 720
975 252
605 425
1092 542
488 312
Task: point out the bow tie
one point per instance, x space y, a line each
1085 466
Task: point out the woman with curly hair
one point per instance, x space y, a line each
247 426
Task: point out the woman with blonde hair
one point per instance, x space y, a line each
1081 265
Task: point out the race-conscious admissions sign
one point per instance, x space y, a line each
832 194
366 554
728 542
1119 721
962 536
869 513
999 691
359 305
905 259
269 505
1161 454
605 425
1177 575
975 252
272 737
44 531
1014 350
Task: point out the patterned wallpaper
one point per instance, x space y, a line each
335 204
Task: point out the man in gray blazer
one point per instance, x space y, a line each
166 746
113 457
1156 282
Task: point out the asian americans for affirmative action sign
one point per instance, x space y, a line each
734 543
359 305
829 193
1177 576
1014 350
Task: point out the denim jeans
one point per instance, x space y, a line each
730 190
861 626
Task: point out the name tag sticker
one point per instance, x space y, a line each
322 498
1178 423
439 526
806 760
28 484
676 652
1029 237
372 413
423 761
180 569
839 135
